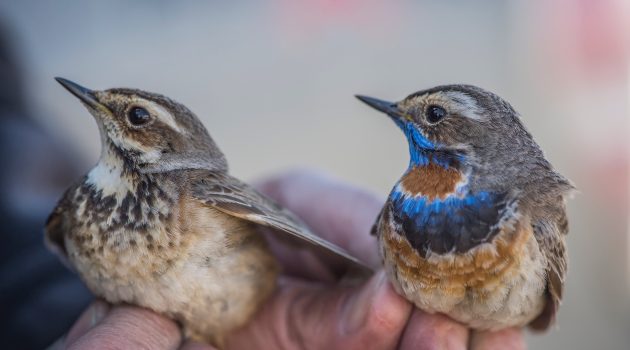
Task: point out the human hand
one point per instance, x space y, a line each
102 326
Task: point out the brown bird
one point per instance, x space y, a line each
159 222
476 226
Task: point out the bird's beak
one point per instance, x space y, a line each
84 94
389 108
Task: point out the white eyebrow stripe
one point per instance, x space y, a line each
163 115
468 106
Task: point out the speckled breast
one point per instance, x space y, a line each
114 233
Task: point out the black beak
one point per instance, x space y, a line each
84 94
389 108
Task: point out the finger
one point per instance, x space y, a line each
310 316
192 345
312 267
433 331
341 213
511 338
92 316
129 327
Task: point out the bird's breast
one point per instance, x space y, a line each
118 226
144 236
491 286
476 268
437 212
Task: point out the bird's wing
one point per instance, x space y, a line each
236 198
550 235
56 227
377 222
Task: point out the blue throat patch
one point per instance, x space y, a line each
455 223
422 151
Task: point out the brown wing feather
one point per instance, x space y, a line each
377 222
54 232
551 240
233 197
56 227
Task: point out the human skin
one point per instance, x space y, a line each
311 308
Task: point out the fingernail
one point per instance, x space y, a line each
98 311
357 306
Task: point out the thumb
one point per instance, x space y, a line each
90 318
315 316
510 338
123 327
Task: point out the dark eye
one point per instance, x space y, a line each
435 114
138 116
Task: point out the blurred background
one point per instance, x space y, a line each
274 81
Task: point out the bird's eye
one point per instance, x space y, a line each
138 116
435 114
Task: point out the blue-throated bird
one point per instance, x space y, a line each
159 222
475 227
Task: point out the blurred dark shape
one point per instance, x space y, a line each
39 297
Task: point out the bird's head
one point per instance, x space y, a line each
451 124
149 132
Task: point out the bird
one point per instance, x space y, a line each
158 222
476 226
